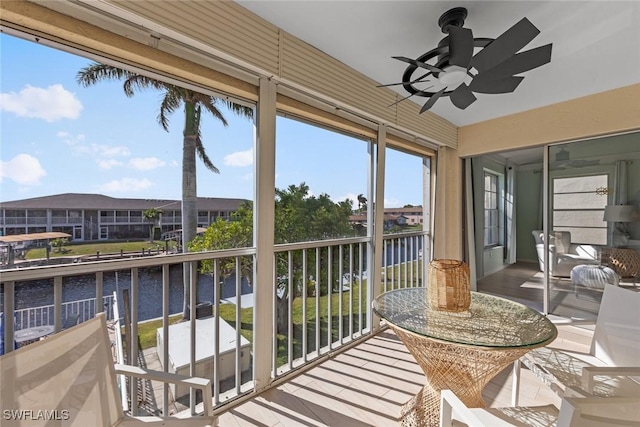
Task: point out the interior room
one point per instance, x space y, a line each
612 159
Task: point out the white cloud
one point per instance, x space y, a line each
72 140
348 196
22 169
126 185
110 151
77 142
108 163
146 163
239 158
392 203
104 155
51 104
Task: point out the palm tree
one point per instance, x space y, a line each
173 98
362 202
152 215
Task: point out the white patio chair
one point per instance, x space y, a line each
574 412
612 366
71 377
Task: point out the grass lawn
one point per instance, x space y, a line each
147 331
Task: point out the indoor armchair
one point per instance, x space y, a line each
564 255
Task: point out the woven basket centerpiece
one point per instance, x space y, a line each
449 288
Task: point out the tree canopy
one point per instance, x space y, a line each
299 217
303 217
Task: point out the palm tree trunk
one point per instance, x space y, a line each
189 199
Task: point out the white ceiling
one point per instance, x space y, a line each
596 44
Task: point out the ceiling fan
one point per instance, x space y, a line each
563 161
453 70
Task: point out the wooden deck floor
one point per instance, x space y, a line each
368 384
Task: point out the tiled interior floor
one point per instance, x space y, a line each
367 385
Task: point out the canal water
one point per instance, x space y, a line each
40 292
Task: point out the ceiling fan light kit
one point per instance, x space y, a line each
452 69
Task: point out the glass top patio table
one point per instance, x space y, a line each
490 321
28 335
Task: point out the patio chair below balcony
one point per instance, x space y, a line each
575 411
70 320
70 377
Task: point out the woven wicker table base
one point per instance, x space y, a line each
625 262
461 368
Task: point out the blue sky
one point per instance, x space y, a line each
58 137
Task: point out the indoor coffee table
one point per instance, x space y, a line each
459 351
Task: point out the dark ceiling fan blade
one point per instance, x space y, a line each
400 100
462 97
519 63
418 80
431 101
505 46
460 46
505 85
418 64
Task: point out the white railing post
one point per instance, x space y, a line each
57 303
99 308
133 341
124 401
8 320
165 337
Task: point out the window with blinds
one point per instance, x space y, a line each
579 209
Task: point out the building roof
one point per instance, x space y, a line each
32 236
386 217
414 210
99 201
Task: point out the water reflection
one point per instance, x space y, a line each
40 292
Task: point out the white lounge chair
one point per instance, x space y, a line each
613 360
574 412
70 378
564 255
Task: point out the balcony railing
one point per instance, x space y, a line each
324 278
13 220
43 315
403 260
321 296
37 220
60 220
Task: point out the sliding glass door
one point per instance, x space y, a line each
593 200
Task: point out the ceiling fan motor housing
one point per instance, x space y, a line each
453 17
